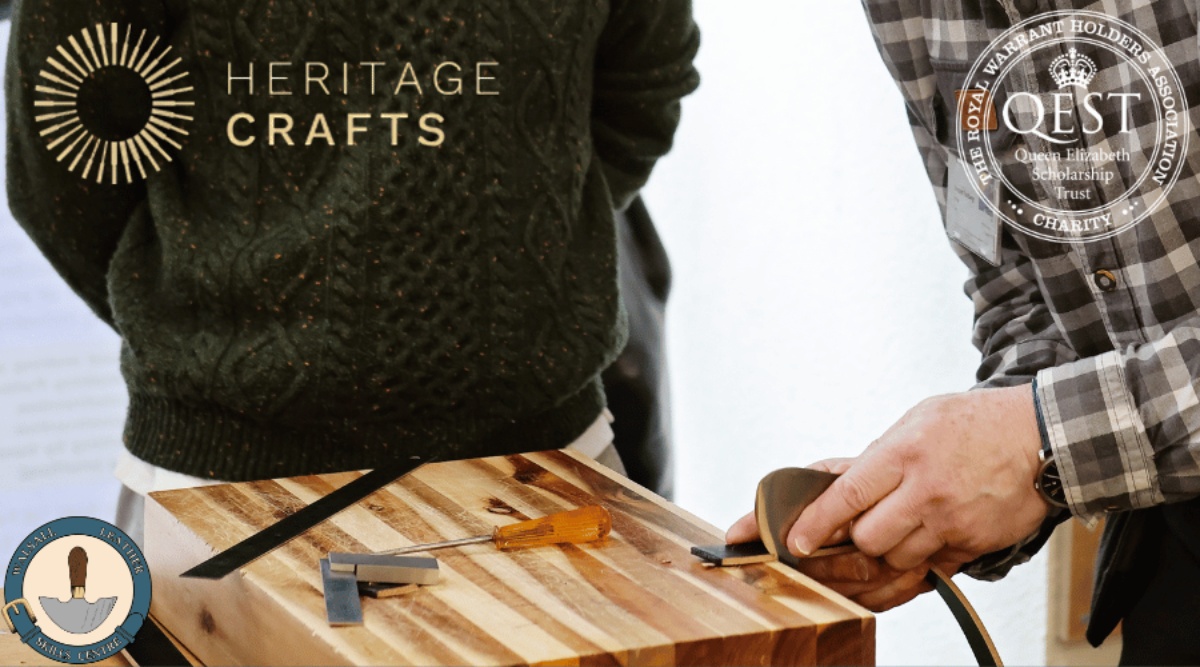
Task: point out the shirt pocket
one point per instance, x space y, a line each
951 76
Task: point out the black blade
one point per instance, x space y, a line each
260 544
732 555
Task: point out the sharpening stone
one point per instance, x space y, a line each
387 569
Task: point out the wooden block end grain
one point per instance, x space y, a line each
219 621
638 597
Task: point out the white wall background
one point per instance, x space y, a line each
815 300
62 402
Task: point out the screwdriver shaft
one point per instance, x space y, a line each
417 548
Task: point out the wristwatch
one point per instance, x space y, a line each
1048 482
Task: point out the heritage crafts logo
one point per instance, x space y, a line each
286 79
114 103
111 104
76 590
1102 120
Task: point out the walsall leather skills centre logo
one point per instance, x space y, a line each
77 590
109 103
1101 117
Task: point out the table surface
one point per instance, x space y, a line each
637 597
15 654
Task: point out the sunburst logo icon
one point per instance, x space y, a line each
111 106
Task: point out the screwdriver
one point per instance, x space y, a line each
580 526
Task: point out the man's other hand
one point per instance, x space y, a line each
951 481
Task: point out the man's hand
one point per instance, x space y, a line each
951 481
868 581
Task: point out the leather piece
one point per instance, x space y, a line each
782 496
968 621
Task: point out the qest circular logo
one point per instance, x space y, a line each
111 103
77 590
1080 118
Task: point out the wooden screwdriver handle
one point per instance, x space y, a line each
586 524
77 562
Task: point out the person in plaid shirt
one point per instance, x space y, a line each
1091 356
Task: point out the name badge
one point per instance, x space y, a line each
970 222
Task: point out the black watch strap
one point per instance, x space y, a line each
1048 481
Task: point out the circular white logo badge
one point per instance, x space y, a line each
77 590
1073 126
110 104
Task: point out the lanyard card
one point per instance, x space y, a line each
970 221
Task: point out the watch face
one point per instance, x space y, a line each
1049 482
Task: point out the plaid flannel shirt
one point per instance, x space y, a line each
1116 362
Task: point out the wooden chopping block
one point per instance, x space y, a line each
638 597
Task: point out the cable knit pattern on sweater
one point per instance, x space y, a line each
294 309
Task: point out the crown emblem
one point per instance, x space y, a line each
1073 69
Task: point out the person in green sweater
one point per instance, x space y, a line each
430 272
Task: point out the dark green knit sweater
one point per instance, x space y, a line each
299 308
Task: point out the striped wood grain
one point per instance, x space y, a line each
639 597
